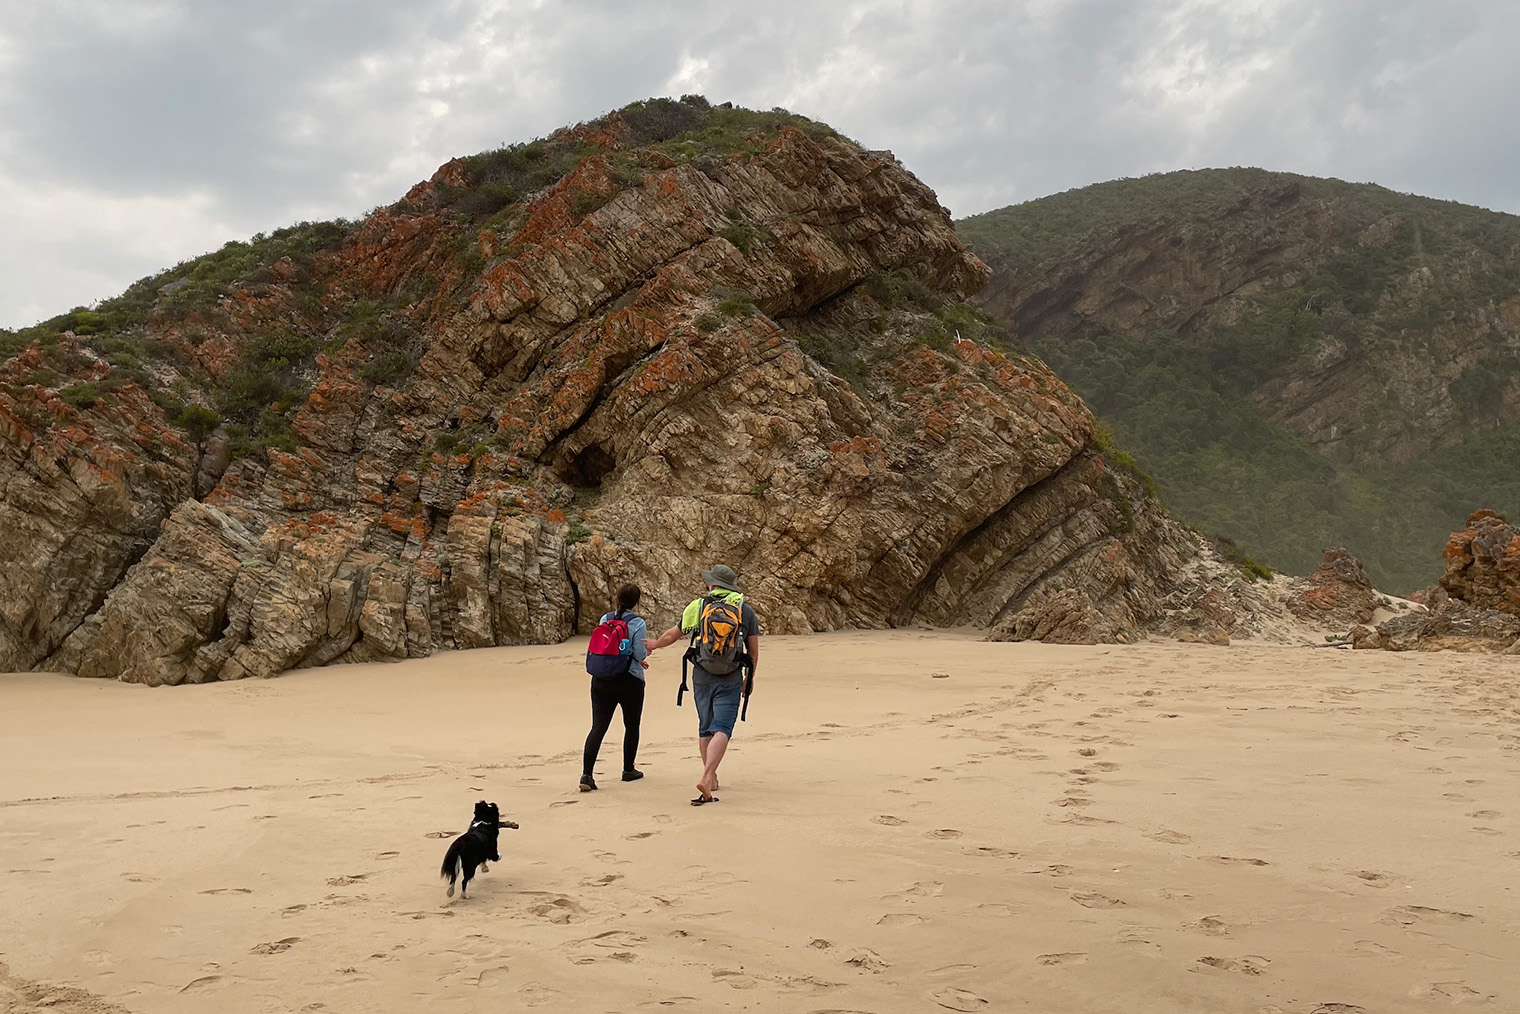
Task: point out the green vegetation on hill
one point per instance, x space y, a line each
1393 285
191 287
1224 466
150 323
1049 228
683 129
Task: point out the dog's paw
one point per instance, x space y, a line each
484 868
509 823
450 892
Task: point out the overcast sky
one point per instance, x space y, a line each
137 133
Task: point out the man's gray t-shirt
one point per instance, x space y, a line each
749 626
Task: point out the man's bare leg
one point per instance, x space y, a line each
712 756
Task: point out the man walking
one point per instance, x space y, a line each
725 642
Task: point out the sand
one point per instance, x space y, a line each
1155 828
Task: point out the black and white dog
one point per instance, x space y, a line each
475 847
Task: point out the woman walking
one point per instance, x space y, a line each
626 689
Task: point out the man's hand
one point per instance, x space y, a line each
670 636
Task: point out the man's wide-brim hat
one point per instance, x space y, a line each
722 576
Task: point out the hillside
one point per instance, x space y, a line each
677 334
1298 362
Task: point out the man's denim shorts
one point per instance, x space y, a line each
717 706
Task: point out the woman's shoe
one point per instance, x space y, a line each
632 775
588 784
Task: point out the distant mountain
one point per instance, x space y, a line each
1299 362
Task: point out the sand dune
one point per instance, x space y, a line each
1156 828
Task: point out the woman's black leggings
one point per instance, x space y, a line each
607 692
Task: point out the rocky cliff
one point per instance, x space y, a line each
676 335
1300 362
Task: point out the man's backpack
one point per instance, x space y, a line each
610 652
718 640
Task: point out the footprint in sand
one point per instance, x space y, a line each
899 919
1373 947
387 855
1092 899
868 961
1484 814
945 832
613 945
1087 751
1072 801
641 835
603 881
1235 861
1373 878
1251 964
439 834
274 946
915 891
357 878
142 878
559 910
1063 958
1136 938
564 802
229 890
958 999
1210 924
989 852
493 976
1105 766
1338 1008
1054 870
292 910
1409 915
888 820
204 982
1170 837
1455 993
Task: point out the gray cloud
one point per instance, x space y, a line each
135 133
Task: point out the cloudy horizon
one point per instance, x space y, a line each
135 134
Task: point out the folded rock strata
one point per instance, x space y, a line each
626 376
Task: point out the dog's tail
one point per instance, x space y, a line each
453 868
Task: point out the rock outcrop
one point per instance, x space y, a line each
1477 604
1483 564
1336 595
466 420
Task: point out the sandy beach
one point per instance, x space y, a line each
1155 828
